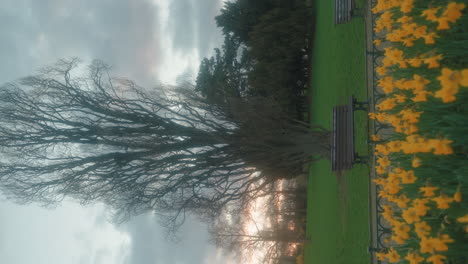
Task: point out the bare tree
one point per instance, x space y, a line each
99 138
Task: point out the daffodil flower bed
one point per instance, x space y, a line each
422 167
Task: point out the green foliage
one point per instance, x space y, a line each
276 43
262 54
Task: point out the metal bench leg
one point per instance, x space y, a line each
361 159
358 105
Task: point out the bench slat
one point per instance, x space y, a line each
343 154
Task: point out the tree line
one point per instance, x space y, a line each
264 52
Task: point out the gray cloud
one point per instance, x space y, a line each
149 245
121 32
191 24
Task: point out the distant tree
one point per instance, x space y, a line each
238 18
277 44
229 232
99 138
224 75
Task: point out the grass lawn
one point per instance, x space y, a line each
337 214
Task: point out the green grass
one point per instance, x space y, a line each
337 215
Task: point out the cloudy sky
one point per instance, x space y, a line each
148 41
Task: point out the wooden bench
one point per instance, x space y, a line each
345 10
343 154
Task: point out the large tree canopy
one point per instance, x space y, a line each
98 138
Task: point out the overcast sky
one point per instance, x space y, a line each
146 41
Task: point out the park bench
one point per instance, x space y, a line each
345 10
343 154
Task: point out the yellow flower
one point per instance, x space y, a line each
422 229
415 62
381 70
421 96
386 104
393 256
441 146
410 115
408 177
452 11
419 82
464 78
443 23
406 6
383 161
428 191
381 256
387 84
436 259
463 219
442 201
446 95
410 215
381 149
420 32
387 213
402 230
420 206
377 42
440 243
375 137
427 245
394 146
401 201
457 197
408 42
450 81
416 162
392 187
413 258
433 62
430 14
430 38
385 21
394 55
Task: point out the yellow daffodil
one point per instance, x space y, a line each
383 161
430 38
381 149
441 242
453 11
442 201
407 6
410 115
464 78
450 81
416 162
393 256
428 191
436 259
422 229
441 146
433 61
408 177
386 104
415 62
410 215
430 14
463 219
401 201
421 96
457 197
414 258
